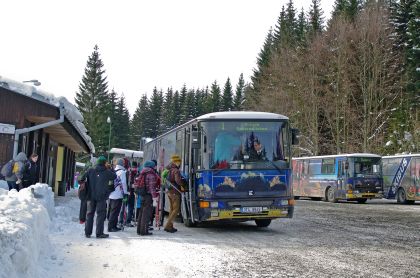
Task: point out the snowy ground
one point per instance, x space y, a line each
378 239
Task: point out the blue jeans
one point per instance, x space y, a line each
13 185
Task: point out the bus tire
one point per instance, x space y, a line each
262 223
402 197
331 195
362 200
296 197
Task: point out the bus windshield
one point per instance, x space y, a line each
367 166
245 145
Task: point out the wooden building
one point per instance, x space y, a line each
32 121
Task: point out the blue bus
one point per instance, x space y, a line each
238 166
402 177
352 177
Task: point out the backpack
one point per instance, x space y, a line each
117 181
140 183
9 168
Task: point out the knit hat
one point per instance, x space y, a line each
175 158
120 162
149 164
101 160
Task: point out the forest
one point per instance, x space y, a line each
349 84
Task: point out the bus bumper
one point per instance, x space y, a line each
364 196
210 214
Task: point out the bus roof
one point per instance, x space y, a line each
127 153
340 155
231 115
402 155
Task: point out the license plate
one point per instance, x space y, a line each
251 209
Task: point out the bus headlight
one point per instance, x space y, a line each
214 204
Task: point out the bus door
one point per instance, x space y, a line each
341 184
415 175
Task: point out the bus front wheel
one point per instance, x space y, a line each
402 197
331 195
262 223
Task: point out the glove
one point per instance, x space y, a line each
155 201
18 181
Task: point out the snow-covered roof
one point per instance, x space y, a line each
70 111
402 155
340 155
241 115
127 153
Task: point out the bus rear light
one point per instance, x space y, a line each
349 191
291 202
204 204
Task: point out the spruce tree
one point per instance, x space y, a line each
139 123
227 98
340 8
177 108
92 100
121 125
215 97
279 31
239 93
263 59
316 19
301 30
168 113
353 8
290 24
155 107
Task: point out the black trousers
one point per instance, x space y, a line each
100 208
83 210
144 215
115 207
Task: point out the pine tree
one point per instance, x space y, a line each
263 58
138 123
279 31
155 105
177 108
215 97
121 125
92 100
353 8
316 19
291 24
227 98
168 113
340 8
188 107
302 28
239 93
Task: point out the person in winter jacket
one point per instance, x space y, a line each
83 197
116 197
151 181
30 176
131 196
18 169
97 179
174 197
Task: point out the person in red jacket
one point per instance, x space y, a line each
150 180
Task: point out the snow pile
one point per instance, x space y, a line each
4 185
70 111
24 228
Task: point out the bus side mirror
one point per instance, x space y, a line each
195 139
295 138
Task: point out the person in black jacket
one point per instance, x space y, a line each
30 176
97 180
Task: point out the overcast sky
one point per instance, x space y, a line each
142 43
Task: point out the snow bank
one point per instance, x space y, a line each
24 228
3 185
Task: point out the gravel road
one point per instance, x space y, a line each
377 239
